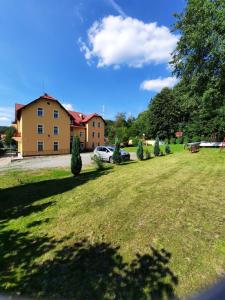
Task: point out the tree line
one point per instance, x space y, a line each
196 105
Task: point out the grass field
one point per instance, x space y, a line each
100 235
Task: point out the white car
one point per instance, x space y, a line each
106 153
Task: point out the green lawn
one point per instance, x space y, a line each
100 235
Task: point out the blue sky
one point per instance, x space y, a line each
86 53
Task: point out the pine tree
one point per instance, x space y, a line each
116 153
76 162
156 147
167 149
140 151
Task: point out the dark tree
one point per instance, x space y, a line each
116 153
199 61
156 147
140 151
76 162
163 115
9 134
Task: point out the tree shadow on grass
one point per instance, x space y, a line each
82 271
19 200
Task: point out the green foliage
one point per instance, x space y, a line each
163 115
179 140
98 163
3 129
198 61
76 162
9 134
140 151
173 140
186 140
134 140
147 154
196 139
156 147
116 153
167 149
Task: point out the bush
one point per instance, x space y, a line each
196 139
76 162
172 140
156 147
116 153
167 149
98 163
186 140
140 151
134 140
179 140
167 141
147 154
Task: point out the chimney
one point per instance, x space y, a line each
81 116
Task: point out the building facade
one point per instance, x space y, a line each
45 127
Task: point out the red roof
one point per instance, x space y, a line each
78 117
18 106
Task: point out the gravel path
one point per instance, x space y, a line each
39 162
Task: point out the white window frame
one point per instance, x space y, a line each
42 128
54 114
93 134
42 112
54 146
42 146
99 124
54 129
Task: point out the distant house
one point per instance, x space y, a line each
45 127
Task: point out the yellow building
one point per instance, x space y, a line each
45 127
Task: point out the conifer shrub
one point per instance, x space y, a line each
116 153
76 162
140 151
156 147
167 149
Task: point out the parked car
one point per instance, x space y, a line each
106 153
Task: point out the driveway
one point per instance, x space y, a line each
39 162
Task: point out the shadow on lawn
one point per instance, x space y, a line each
82 271
19 200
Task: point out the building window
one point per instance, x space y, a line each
56 114
93 124
93 134
40 129
93 145
40 112
82 146
56 146
81 133
40 146
99 124
56 130
98 134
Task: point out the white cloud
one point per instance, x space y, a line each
68 106
6 116
117 40
158 84
117 8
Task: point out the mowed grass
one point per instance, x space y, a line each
77 238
